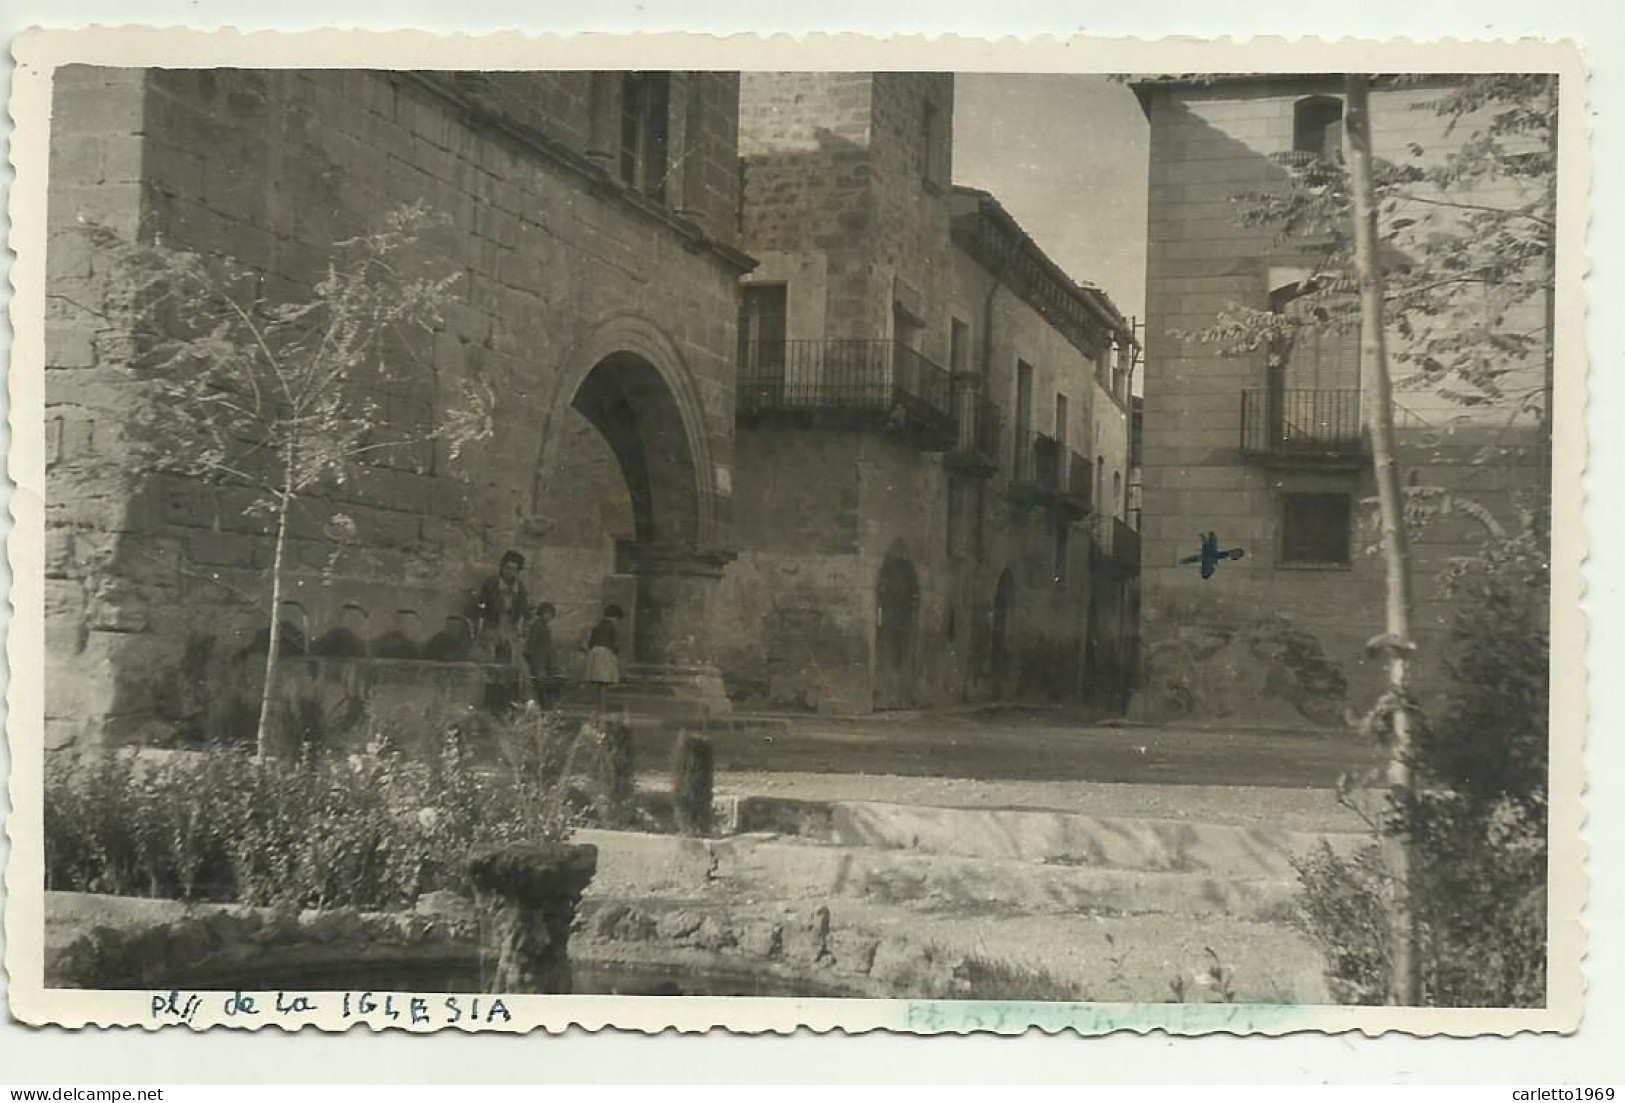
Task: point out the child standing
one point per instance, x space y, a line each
603 656
539 654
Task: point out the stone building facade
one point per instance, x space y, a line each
592 219
1270 451
929 412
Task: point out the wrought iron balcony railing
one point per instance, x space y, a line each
981 429
848 381
1302 426
1115 543
1077 488
1037 475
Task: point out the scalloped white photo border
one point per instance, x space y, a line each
39 53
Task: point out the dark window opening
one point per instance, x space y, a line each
1062 540
762 343
907 330
978 528
1024 400
1323 346
958 347
1317 127
927 148
762 312
1316 529
645 106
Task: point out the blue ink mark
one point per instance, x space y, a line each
169 1005
951 1016
293 1005
1209 555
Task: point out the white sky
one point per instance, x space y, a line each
1066 155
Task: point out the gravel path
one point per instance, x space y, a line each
1033 747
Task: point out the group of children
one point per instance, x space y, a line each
510 631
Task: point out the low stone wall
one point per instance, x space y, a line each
796 950
634 948
122 943
409 700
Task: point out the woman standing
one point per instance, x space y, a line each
499 632
501 609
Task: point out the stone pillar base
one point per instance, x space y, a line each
684 692
531 894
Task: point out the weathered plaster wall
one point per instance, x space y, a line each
1307 626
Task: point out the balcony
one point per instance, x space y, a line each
981 430
1303 428
842 383
1037 476
1075 498
1114 544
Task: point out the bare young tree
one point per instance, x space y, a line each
1396 640
281 395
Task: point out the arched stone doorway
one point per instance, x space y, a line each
627 425
1004 600
635 413
897 607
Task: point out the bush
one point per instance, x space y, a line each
1343 907
692 784
1479 902
1475 822
370 831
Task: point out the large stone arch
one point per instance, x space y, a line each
897 628
630 353
630 382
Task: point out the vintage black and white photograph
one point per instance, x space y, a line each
966 541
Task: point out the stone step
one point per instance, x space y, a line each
1118 959
646 722
877 950
1037 836
766 867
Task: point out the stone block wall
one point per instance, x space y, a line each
93 614
797 609
1214 649
557 269
832 167
848 203
795 629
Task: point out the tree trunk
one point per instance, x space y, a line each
273 647
1403 986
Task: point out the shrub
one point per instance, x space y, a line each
1479 899
614 774
1475 821
1343 907
369 831
691 786
90 816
